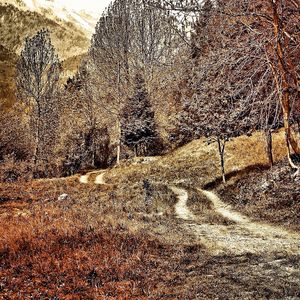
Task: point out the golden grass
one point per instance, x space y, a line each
103 242
198 163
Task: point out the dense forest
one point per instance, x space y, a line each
158 74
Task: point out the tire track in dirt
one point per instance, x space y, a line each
181 208
100 179
84 178
245 236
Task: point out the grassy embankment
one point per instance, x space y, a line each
104 242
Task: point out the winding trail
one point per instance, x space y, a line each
99 180
181 208
245 236
274 248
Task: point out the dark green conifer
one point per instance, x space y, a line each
139 130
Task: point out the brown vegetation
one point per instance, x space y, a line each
199 75
100 242
269 195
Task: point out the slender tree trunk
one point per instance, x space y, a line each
269 148
118 153
135 150
221 147
285 94
36 154
119 141
93 152
94 145
36 150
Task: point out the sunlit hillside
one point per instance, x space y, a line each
128 246
149 149
7 64
69 39
16 25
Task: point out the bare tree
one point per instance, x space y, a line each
263 39
109 52
37 76
273 24
130 38
84 140
226 97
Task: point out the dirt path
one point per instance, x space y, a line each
181 208
84 178
223 209
245 236
98 180
258 228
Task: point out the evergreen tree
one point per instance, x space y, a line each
138 125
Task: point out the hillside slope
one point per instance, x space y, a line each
17 24
126 233
70 41
58 12
7 72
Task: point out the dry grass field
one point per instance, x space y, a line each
112 241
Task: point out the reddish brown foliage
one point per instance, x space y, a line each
87 265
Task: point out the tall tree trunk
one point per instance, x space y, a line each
119 141
221 147
36 154
285 94
269 148
36 151
135 150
